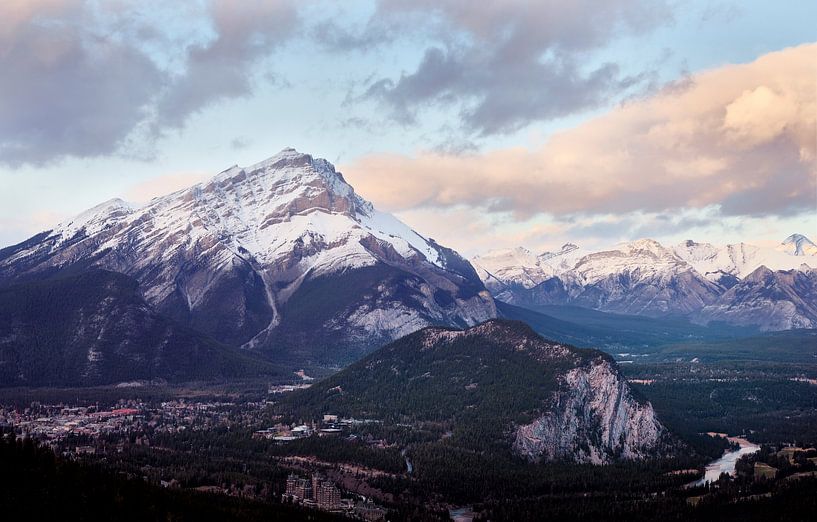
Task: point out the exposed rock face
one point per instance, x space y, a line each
772 300
594 419
229 256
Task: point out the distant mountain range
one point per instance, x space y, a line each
740 284
281 258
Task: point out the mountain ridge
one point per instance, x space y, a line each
692 280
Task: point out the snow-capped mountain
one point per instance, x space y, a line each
282 256
644 277
731 263
511 266
640 277
798 245
504 270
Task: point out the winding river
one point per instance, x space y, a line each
726 464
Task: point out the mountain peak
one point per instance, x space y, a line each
232 254
287 183
95 218
646 244
802 245
286 157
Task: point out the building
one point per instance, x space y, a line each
370 512
298 488
328 496
291 480
317 479
315 492
303 489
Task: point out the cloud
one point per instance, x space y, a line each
65 91
507 63
85 79
739 137
220 69
162 185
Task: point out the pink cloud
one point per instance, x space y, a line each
740 138
165 184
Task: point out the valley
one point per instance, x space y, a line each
205 437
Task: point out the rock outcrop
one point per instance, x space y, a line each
593 418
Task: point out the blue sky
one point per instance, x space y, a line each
126 99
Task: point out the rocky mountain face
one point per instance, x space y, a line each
500 387
772 300
95 328
643 277
282 257
593 418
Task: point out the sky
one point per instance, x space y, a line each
483 125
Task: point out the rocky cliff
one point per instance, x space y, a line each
593 418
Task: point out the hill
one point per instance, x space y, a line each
495 387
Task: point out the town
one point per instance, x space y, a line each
58 424
133 426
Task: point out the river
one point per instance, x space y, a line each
726 464
409 467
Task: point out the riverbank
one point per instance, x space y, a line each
726 463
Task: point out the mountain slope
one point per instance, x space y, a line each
505 271
731 263
95 328
798 245
615 333
643 277
772 300
230 256
498 386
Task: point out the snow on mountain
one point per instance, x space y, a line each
94 220
228 255
644 256
738 260
638 277
519 266
511 266
798 245
644 277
